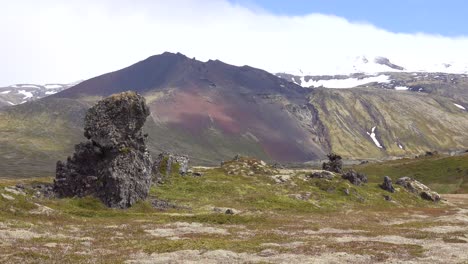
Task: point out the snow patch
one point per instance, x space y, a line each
400 146
344 83
401 88
10 103
5 92
51 92
26 94
366 63
294 81
374 138
30 86
53 86
460 106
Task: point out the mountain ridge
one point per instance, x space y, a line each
212 111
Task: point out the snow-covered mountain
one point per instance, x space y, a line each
22 93
377 64
380 72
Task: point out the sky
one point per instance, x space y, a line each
61 41
446 17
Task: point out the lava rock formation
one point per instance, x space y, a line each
387 184
114 165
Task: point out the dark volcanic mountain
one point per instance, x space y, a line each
213 110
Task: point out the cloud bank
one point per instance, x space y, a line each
64 41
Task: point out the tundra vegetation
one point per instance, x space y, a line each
243 211
270 216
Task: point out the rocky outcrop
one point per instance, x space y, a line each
165 163
321 175
114 164
387 184
246 166
418 188
334 164
386 62
308 117
354 177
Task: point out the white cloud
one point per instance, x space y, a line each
63 41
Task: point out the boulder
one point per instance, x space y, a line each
354 177
225 210
334 164
113 164
418 188
387 184
321 175
166 162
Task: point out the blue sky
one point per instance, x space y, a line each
443 17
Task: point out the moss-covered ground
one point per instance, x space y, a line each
298 220
441 173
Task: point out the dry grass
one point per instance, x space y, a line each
84 231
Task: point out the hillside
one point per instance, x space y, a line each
212 111
369 123
441 173
22 93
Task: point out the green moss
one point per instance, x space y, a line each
163 165
125 150
442 174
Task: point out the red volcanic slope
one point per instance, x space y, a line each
234 101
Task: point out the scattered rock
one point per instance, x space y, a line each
354 177
431 196
346 191
246 166
45 190
418 188
321 175
197 174
50 245
8 197
334 164
281 178
268 253
387 198
181 228
301 196
387 184
16 234
114 164
42 210
165 205
228 211
14 191
279 166
166 162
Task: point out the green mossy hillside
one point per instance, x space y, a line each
441 173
